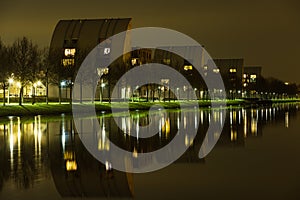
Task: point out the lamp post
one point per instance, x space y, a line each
101 72
101 91
10 81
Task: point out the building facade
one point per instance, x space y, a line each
231 71
251 80
71 42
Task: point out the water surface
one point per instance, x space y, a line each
257 156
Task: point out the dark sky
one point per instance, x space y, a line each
265 33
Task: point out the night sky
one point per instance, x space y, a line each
265 33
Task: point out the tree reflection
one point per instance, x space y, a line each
35 149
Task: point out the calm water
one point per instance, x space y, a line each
256 157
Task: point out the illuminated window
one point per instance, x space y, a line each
253 78
68 62
188 67
70 52
105 71
134 61
232 70
167 61
106 51
216 70
245 75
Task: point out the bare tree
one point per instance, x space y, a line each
44 67
25 61
4 67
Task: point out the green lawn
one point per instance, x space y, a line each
56 108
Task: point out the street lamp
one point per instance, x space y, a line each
10 81
101 92
101 72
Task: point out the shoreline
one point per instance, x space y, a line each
66 108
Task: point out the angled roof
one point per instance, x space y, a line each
86 33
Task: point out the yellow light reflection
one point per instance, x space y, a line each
233 135
135 153
286 122
254 126
71 165
68 155
167 127
103 143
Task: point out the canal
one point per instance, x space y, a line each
256 156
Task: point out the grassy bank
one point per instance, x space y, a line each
55 108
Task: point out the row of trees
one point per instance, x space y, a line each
28 63
24 61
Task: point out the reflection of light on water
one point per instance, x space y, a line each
184 121
63 133
11 142
233 135
159 127
167 128
221 117
215 114
137 128
216 136
234 116
178 123
71 165
196 120
286 119
188 141
135 153
124 125
108 166
103 144
253 126
19 137
201 116
245 122
254 121
230 117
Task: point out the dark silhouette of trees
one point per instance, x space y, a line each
25 58
5 68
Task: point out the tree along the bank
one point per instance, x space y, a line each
25 58
4 67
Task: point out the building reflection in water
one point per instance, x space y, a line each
35 149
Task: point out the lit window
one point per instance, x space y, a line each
134 61
188 67
232 70
70 52
245 75
105 71
216 70
68 62
106 51
167 61
253 78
